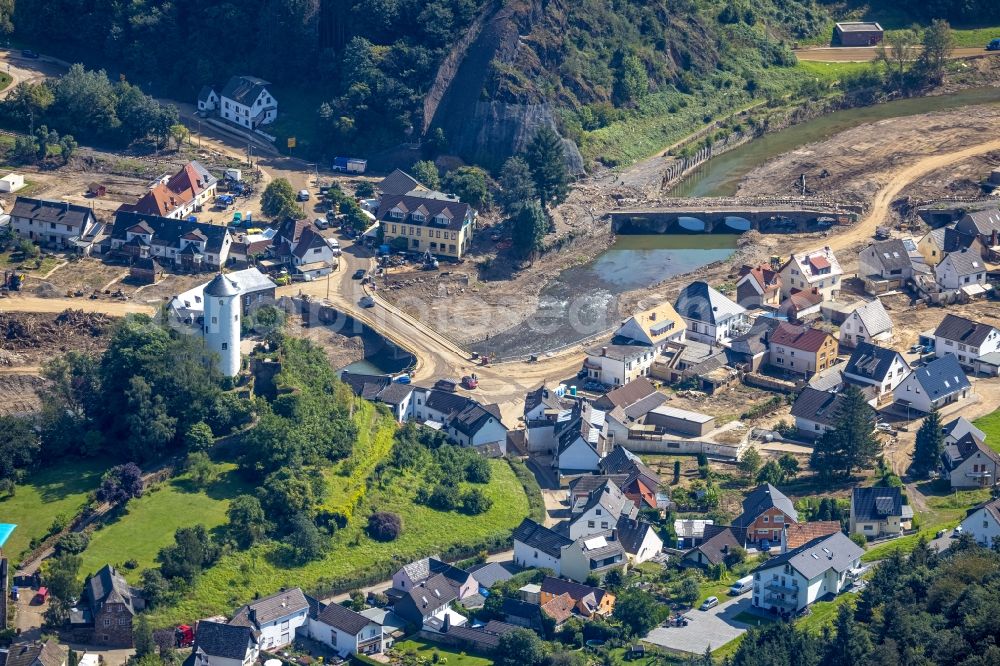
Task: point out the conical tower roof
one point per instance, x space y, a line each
221 286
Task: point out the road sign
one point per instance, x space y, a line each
291 142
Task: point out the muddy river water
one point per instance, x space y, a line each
582 301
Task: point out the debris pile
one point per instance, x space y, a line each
30 331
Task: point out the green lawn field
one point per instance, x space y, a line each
990 424
426 651
58 491
150 521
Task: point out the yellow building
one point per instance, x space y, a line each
429 223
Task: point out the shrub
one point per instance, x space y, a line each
385 526
476 502
73 543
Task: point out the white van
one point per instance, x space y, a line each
742 586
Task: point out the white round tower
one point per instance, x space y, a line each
222 323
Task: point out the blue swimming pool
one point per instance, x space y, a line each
6 529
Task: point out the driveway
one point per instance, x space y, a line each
707 629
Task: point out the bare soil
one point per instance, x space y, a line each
30 339
19 394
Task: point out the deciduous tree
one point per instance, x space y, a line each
427 173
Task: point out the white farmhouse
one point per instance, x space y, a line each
983 523
710 317
220 644
881 368
346 632
536 546
963 270
939 383
246 101
276 618
818 270
868 323
794 580
57 224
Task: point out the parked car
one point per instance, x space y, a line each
321 223
303 195
359 274
994 45
28 53
709 603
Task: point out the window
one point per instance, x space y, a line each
215 320
604 525
107 622
123 622
590 523
225 346
284 625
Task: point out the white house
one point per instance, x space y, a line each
208 99
276 618
815 411
969 463
939 383
710 317
221 644
794 580
983 523
544 415
885 260
869 322
51 223
635 346
593 555
963 270
879 512
191 246
871 365
818 270
600 512
639 539
959 428
246 101
177 195
974 344
582 441
536 546
346 631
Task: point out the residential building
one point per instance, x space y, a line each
106 609
798 534
345 631
413 574
710 317
639 483
819 270
480 640
182 245
582 442
815 411
969 463
766 511
399 182
275 618
758 286
801 350
885 260
958 428
588 601
983 225
720 542
559 609
983 523
208 99
299 244
592 555
177 196
427 223
222 644
857 33
871 365
635 346
490 573
638 394
428 602
801 304
256 290
49 653
380 388
546 412
55 224
691 531
639 540
869 322
879 512
538 546
962 271
794 580
932 386
598 513
246 101
939 243
974 344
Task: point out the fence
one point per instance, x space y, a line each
681 167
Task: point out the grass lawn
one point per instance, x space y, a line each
48 263
753 619
823 613
347 480
426 650
830 72
262 569
150 521
57 491
990 424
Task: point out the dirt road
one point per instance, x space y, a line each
867 53
55 305
899 180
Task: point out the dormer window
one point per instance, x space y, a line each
418 217
396 214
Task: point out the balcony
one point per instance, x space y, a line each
774 600
775 586
979 475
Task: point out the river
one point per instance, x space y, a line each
582 301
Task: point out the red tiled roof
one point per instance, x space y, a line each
799 337
819 263
769 280
798 534
559 608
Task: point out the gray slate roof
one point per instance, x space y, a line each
760 500
964 262
398 182
34 654
454 212
835 551
876 503
221 285
343 618
957 453
963 330
541 538
244 89
891 254
109 586
700 302
46 211
269 609
871 362
949 239
228 641
942 377
168 231
489 574
982 222
818 406
874 316
631 533
960 427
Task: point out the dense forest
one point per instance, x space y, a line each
363 69
921 610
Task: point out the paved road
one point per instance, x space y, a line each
867 54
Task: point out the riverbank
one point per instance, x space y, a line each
487 297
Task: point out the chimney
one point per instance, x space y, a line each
614 534
604 351
253 616
652 316
447 622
